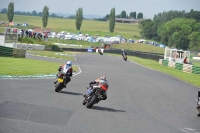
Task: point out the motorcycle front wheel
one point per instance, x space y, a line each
58 86
84 102
91 102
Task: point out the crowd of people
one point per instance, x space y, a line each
27 33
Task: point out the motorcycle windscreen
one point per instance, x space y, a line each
65 68
89 90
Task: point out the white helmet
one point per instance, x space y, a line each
69 63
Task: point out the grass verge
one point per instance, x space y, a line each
24 67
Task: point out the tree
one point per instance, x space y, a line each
140 15
123 14
118 16
149 29
45 15
176 32
106 17
133 15
167 16
34 13
197 27
4 10
79 18
40 14
193 14
10 12
194 41
112 20
72 17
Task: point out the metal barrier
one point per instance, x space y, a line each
12 52
144 55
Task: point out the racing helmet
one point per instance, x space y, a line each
103 77
69 63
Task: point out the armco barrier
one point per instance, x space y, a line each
145 55
165 63
179 66
31 46
196 69
53 48
78 49
119 51
12 52
6 51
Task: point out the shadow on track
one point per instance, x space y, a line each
106 109
71 93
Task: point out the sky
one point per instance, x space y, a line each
102 7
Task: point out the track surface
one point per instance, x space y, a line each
140 100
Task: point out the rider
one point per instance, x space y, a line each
198 104
70 70
97 81
123 53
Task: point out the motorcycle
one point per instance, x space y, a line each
198 106
94 94
100 52
63 78
124 56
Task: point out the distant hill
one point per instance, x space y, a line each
89 16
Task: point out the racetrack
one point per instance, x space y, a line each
140 100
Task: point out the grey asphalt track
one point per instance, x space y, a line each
140 100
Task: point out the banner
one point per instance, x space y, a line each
90 50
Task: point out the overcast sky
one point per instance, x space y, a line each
102 7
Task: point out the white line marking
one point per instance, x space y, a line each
188 130
78 72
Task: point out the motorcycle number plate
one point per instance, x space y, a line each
60 80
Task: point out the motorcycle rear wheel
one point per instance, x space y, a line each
92 101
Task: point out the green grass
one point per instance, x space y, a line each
61 55
139 47
85 44
88 26
24 67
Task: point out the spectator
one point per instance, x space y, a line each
185 60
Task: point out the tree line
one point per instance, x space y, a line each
33 13
177 29
123 14
45 14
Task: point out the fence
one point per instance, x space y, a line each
179 66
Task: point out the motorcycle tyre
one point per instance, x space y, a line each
84 102
92 101
58 87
